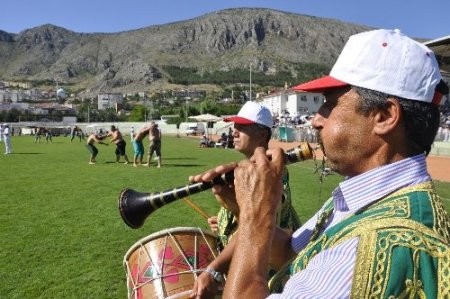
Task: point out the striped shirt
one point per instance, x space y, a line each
329 274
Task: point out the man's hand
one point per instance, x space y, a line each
204 286
258 184
212 221
224 193
258 189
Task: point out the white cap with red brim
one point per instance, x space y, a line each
386 61
252 113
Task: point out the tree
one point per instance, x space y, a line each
137 114
107 115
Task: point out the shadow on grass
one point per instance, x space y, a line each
180 158
153 165
178 165
27 154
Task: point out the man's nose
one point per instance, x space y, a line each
317 121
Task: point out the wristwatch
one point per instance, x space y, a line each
218 277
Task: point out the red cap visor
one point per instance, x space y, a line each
239 120
320 85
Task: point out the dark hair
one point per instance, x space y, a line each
269 131
421 119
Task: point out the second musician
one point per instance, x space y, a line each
252 129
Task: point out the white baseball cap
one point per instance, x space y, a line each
252 113
386 61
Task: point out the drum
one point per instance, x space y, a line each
165 264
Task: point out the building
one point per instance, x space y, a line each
16 106
110 100
292 103
182 93
14 96
15 84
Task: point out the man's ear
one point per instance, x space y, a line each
387 119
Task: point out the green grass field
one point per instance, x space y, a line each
61 233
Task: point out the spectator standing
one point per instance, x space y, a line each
37 135
446 133
132 132
73 132
48 136
223 139
230 139
80 134
7 139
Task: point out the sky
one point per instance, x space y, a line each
428 19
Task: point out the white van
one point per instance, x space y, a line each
195 129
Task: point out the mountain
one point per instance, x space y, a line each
272 41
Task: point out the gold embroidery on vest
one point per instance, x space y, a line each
370 273
444 277
307 257
363 270
407 234
413 287
441 218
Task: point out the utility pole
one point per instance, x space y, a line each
145 109
56 89
89 112
145 102
186 110
250 81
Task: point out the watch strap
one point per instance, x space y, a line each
217 276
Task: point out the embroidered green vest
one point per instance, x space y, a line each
286 218
403 249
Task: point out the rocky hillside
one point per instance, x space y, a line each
272 41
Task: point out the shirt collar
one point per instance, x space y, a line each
361 190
